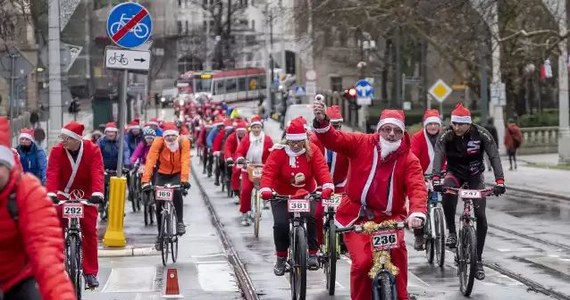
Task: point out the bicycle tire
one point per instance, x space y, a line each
300 266
74 263
164 239
330 267
467 260
173 237
384 287
439 236
429 241
257 214
146 211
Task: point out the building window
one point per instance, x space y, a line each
179 23
253 25
336 83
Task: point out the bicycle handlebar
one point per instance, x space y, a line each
68 199
455 191
169 186
315 196
371 227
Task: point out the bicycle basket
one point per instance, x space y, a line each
254 172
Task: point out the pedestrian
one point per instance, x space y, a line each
513 141
490 126
32 156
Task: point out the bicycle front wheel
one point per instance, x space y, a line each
439 236
384 287
467 260
331 249
164 238
73 260
429 240
257 214
299 284
173 236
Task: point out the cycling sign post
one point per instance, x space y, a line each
129 25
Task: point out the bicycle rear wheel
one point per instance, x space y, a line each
439 236
467 250
429 240
165 224
299 269
73 259
331 256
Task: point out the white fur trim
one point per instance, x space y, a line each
392 121
255 123
337 120
322 130
170 132
241 129
26 136
7 155
461 119
71 134
133 127
152 123
228 127
431 152
296 136
342 184
113 129
50 194
265 189
432 120
418 215
391 191
370 177
74 167
98 194
328 185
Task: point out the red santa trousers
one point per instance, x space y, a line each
360 251
89 239
245 193
236 173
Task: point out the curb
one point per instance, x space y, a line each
127 251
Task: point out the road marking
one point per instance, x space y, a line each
216 277
130 280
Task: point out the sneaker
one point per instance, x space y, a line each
313 262
245 219
451 241
280 266
479 271
236 199
158 244
217 182
91 281
419 242
180 228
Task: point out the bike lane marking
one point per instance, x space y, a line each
132 22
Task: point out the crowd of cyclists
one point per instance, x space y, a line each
379 177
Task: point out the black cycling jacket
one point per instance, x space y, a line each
464 154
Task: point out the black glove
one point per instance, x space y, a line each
499 189
437 184
54 199
240 161
186 185
96 199
146 187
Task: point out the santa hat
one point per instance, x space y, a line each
432 116
296 131
27 133
460 114
228 123
218 121
241 125
111 127
153 121
255 120
135 124
333 112
6 153
170 129
392 116
73 130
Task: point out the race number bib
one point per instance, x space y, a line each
333 202
470 194
164 194
73 210
299 205
386 239
257 172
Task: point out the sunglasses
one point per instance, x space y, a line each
389 129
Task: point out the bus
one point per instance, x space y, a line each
228 86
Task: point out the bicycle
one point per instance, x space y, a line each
72 209
298 243
167 236
466 250
135 187
331 247
120 58
383 273
254 172
104 207
140 30
434 231
228 178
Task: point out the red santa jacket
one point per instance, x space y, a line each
286 172
243 147
86 173
33 245
218 142
338 167
378 185
231 146
423 150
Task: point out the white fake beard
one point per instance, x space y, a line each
387 147
173 146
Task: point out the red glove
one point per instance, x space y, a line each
327 193
266 195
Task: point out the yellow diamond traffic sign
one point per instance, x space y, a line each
439 90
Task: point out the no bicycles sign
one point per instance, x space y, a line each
129 25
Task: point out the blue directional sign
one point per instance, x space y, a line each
364 89
300 91
129 25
